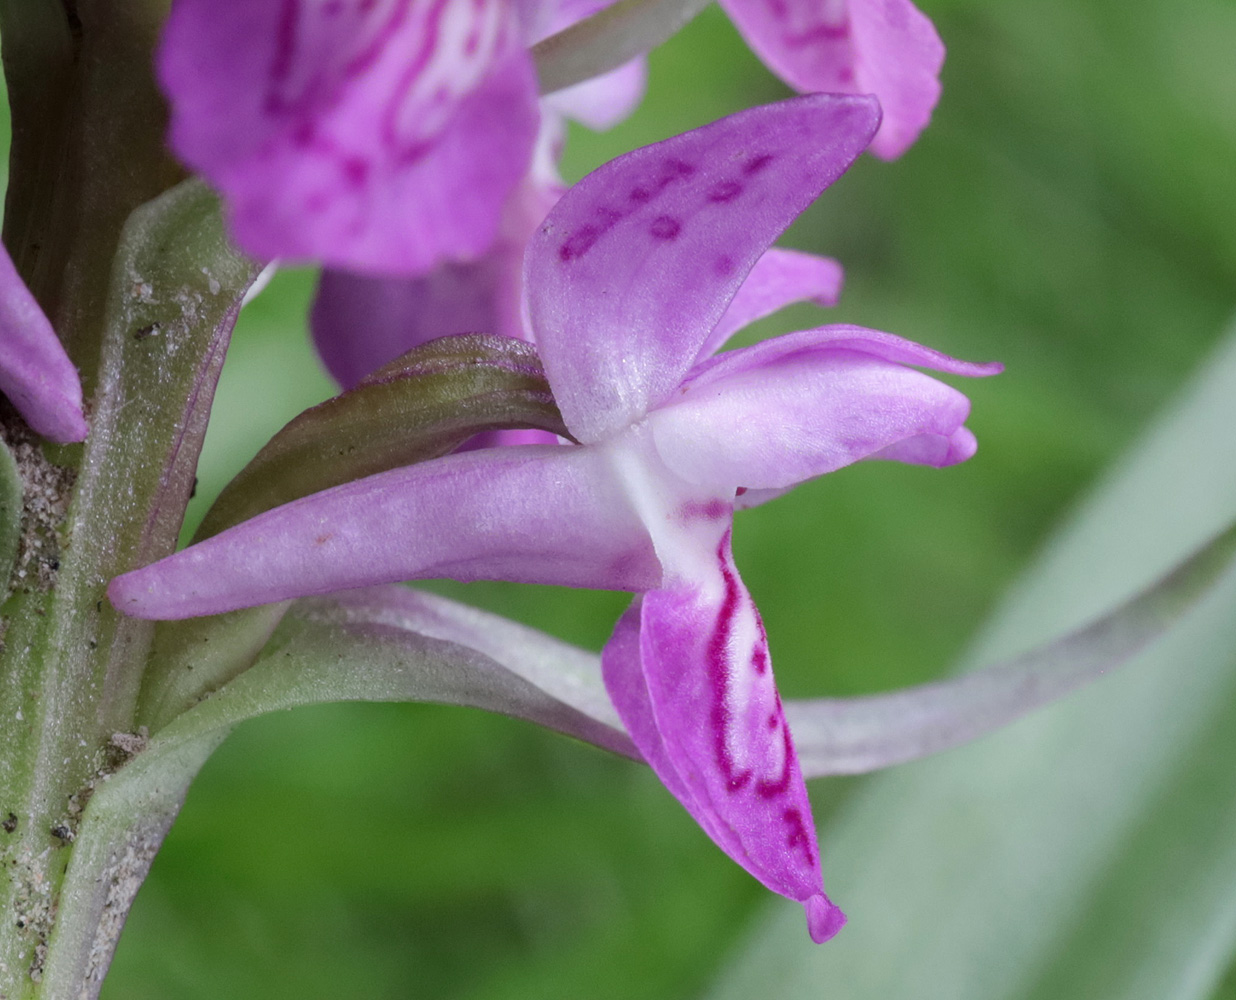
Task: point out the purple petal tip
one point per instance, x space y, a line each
962 447
824 918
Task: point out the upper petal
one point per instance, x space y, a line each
360 322
373 134
884 47
689 672
605 100
780 278
35 373
638 262
808 403
537 514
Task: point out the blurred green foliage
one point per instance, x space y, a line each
1071 211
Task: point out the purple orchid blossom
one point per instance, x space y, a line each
380 136
888 48
629 280
35 373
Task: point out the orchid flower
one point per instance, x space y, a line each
383 136
635 273
35 373
888 48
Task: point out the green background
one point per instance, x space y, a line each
1071 212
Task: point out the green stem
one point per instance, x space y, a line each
72 667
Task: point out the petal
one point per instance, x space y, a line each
375 135
604 101
638 262
839 336
936 450
799 406
884 47
361 322
688 670
780 278
35 373
537 514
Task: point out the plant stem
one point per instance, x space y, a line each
144 303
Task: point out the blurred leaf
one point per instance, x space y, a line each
858 735
420 406
611 37
1087 851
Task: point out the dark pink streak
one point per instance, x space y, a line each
718 672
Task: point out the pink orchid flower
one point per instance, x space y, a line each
35 373
635 277
380 136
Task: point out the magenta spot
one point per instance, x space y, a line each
665 228
781 784
724 191
679 168
285 47
609 217
740 491
473 43
304 133
668 171
774 721
723 266
639 195
846 74
819 33
756 164
578 243
709 510
759 658
798 833
355 171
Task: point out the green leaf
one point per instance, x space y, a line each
857 735
608 39
378 644
422 405
1084 852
